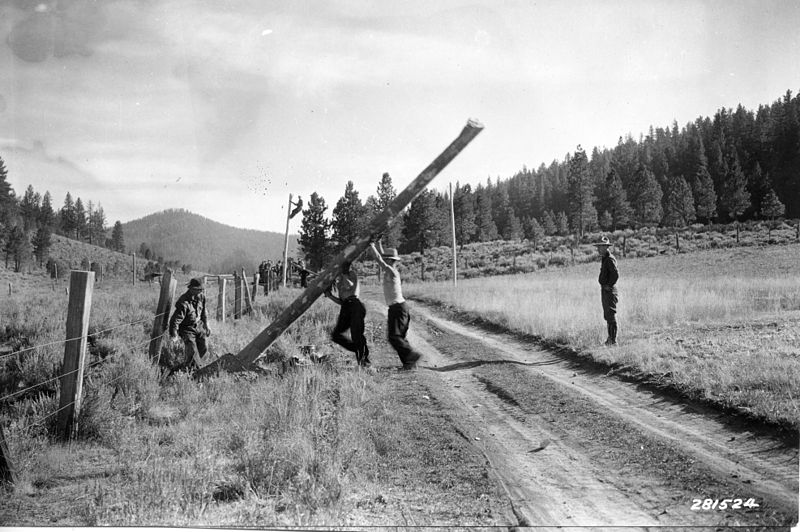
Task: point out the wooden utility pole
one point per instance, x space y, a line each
81 285
453 227
323 280
286 239
161 321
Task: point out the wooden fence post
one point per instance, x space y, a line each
248 303
6 467
134 268
161 321
256 279
320 282
10 287
221 299
81 285
237 297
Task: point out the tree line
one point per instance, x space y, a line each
737 165
28 223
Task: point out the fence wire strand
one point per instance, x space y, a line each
118 326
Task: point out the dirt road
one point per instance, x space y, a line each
573 446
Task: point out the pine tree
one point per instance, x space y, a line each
735 198
646 197
533 231
8 201
17 247
582 214
464 214
348 218
549 223
705 198
314 232
47 215
97 226
80 220
771 207
679 203
422 220
385 195
41 243
614 201
562 224
486 230
67 215
29 208
117 238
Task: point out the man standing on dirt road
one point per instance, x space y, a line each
190 321
351 315
398 316
608 289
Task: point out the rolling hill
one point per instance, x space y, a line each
210 246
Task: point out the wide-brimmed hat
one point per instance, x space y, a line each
603 242
390 253
196 283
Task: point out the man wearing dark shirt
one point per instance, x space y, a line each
608 288
190 321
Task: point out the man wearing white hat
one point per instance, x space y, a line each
608 289
398 316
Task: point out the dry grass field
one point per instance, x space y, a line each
721 325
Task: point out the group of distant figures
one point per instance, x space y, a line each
271 274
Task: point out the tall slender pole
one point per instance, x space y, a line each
453 227
286 239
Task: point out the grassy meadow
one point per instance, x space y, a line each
722 325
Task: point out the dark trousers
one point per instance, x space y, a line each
609 299
193 343
351 316
397 328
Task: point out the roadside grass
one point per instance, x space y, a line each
317 445
719 325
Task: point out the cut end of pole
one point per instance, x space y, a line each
474 123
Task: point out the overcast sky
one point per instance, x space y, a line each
225 107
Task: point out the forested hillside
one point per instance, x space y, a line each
204 244
737 165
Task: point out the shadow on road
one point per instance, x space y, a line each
475 363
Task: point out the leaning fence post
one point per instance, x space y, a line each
81 285
161 321
237 296
6 467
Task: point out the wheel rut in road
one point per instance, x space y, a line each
564 469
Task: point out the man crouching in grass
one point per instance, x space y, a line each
399 317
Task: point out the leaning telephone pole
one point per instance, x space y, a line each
323 280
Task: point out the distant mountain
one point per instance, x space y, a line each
177 234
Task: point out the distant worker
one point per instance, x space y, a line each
399 317
608 288
303 273
351 314
190 322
